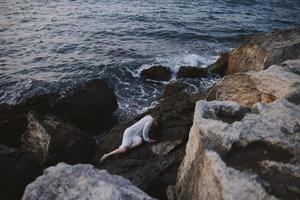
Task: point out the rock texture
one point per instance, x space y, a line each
191 72
153 168
17 169
88 106
278 81
157 72
81 182
262 51
51 140
234 151
221 64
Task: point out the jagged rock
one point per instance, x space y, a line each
191 72
262 51
264 86
17 169
88 106
81 182
175 88
150 171
292 66
51 140
221 64
259 140
157 72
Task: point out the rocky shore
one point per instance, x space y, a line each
238 140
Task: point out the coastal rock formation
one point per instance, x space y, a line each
81 182
157 72
233 152
261 51
17 169
152 168
191 72
51 140
221 64
264 86
87 106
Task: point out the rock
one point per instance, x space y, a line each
152 172
292 66
88 106
234 151
81 181
17 169
157 72
51 140
221 64
264 50
164 148
175 88
191 72
265 86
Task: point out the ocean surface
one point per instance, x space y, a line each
52 45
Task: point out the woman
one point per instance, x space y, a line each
134 135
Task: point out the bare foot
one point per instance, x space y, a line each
103 158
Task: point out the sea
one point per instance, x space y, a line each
53 45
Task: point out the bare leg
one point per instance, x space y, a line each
117 151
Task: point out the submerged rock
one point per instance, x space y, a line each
87 106
233 152
17 169
157 72
81 182
152 168
191 72
265 86
51 140
262 51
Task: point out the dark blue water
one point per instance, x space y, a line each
53 45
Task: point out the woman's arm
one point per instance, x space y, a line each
146 130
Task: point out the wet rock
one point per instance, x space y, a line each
175 88
51 140
265 86
17 169
264 50
81 182
221 64
191 72
232 151
152 172
87 106
157 72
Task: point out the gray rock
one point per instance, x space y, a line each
238 152
51 140
81 181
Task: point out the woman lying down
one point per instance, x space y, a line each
135 135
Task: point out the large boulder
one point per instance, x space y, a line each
51 140
265 86
234 151
261 51
81 181
88 106
191 72
157 72
17 169
152 168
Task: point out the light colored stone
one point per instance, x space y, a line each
262 51
264 86
81 181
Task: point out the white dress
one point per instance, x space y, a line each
140 129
